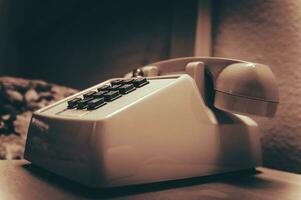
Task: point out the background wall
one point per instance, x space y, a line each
81 43
8 44
268 32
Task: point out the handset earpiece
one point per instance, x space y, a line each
247 88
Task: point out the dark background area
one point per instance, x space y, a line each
81 43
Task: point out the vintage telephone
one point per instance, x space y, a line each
174 119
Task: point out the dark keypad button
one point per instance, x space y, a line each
96 103
115 87
139 82
83 103
112 95
117 82
99 94
103 88
126 88
127 81
89 94
73 102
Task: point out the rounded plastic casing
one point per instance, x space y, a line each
247 88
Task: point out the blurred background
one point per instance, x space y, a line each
81 43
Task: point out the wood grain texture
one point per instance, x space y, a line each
22 181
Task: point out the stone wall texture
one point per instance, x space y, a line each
268 32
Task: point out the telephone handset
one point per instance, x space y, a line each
165 123
236 83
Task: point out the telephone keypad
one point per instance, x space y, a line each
107 93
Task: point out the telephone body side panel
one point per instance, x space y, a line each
161 131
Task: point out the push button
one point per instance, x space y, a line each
103 88
89 94
99 94
82 104
111 96
115 87
127 81
73 102
96 103
139 82
125 89
117 82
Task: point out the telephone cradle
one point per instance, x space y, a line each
174 119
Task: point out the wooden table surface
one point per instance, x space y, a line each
19 180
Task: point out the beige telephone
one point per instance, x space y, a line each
174 119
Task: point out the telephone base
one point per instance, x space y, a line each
162 131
